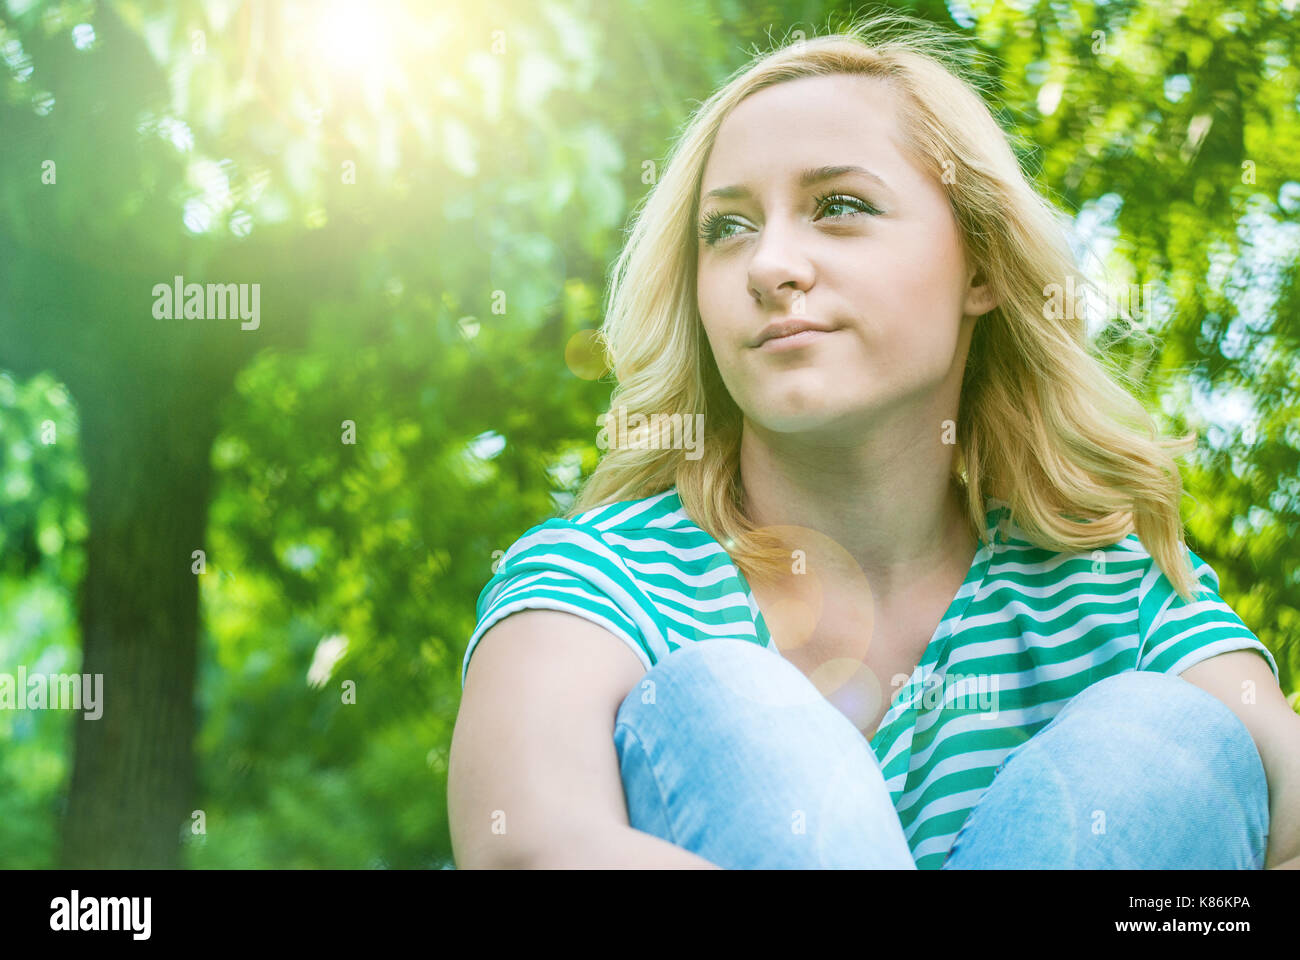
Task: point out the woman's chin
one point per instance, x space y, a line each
802 418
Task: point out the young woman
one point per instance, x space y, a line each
921 598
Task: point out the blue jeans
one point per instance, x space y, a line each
727 750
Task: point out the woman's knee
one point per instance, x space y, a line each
728 750
719 680
727 705
1179 753
723 703
1141 769
1162 705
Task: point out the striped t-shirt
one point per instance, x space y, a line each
1027 630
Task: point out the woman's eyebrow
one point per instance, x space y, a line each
806 179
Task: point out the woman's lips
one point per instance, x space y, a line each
794 341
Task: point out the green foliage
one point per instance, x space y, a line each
42 557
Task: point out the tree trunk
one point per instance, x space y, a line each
146 445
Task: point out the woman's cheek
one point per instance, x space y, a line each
731 368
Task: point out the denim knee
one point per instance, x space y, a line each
1166 701
1175 768
714 678
1169 723
727 750
1167 706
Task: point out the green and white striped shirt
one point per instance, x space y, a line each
1027 630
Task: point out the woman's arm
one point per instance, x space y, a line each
1275 728
618 849
533 777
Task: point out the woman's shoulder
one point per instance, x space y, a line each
661 511
1122 563
652 534
1122 573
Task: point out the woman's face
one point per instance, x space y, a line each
873 259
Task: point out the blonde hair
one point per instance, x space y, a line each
1044 427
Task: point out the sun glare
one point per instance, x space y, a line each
354 37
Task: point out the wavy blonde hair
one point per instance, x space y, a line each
1043 426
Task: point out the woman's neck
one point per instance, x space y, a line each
890 505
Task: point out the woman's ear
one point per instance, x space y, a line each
980 298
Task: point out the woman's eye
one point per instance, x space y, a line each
714 227
851 204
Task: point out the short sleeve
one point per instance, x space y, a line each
567 566
1176 634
